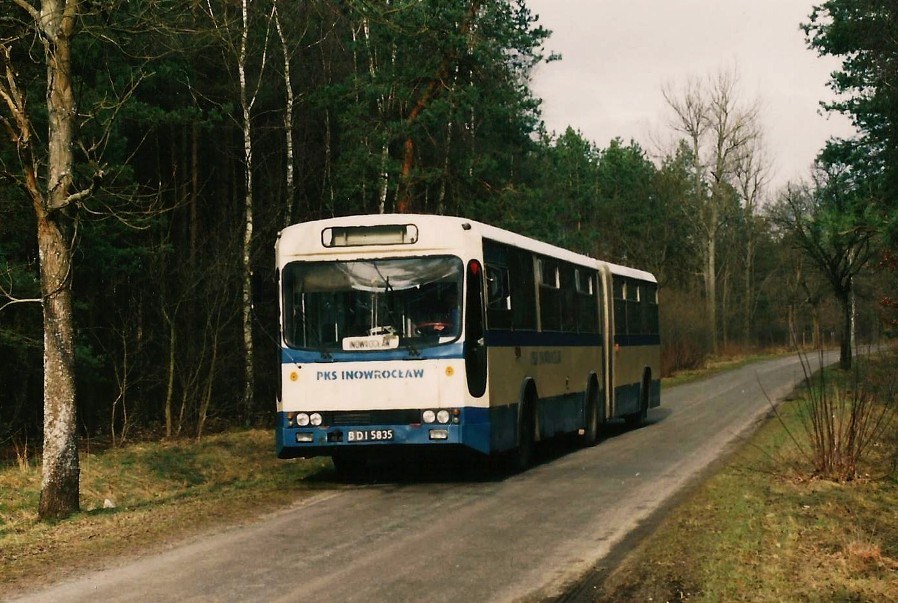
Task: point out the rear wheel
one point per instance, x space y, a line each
591 429
639 417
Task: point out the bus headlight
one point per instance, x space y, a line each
315 419
302 419
443 416
428 416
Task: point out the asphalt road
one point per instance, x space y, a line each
526 537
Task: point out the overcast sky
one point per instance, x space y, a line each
618 54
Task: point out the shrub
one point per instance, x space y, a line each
685 343
843 422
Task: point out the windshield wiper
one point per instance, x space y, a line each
388 289
319 345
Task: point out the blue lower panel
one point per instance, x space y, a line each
561 414
628 398
472 431
484 430
504 423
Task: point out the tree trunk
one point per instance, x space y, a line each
290 193
248 368
748 284
818 331
59 484
405 200
61 472
710 278
170 382
845 351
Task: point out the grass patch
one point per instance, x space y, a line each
143 496
764 529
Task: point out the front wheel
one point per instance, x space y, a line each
522 456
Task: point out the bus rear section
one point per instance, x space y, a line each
636 358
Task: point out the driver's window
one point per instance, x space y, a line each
498 297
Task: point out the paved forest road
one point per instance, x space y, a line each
528 536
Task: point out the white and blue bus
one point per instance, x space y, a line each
432 331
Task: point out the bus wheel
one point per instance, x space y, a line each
638 418
522 456
591 430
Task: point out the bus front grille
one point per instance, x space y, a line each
352 418
374 417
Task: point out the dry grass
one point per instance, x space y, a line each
765 529
161 492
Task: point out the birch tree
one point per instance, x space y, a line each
289 180
248 95
46 175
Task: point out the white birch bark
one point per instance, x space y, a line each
290 192
246 105
54 26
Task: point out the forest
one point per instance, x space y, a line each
152 150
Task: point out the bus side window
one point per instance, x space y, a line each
550 295
523 293
650 307
497 281
585 301
498 309
568 292
620 305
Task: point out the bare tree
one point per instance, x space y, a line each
719 129
751 176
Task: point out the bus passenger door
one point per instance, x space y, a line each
475 343
606 306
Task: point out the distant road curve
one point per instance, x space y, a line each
527 537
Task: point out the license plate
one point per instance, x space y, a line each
369 435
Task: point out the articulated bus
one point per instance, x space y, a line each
417 331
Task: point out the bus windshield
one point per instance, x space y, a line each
375 304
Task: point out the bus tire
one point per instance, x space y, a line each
591 412
638 418
522 456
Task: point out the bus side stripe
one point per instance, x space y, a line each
442 352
